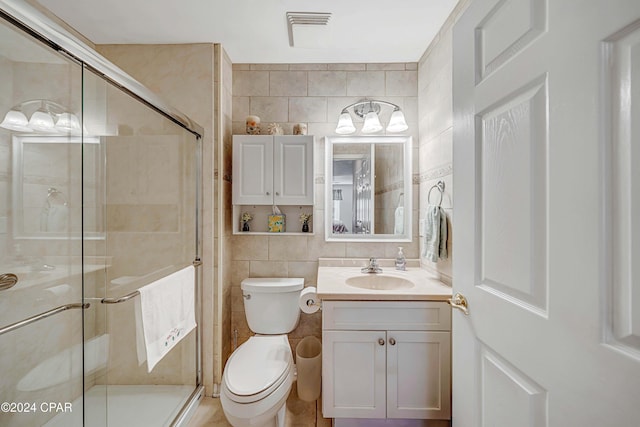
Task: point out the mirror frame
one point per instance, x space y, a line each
406 141
18 177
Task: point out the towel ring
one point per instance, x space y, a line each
440 187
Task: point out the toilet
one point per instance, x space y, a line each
258 375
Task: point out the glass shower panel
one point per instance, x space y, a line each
147 193
40 233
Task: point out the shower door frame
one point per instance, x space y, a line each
38 25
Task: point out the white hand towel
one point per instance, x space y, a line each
431 247
167 313
442 250
399 221
435 236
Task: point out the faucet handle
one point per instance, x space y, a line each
373 261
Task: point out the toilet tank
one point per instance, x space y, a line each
271 304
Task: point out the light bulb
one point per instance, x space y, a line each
41 121
15 120
345 124
371 123
397 122
68 122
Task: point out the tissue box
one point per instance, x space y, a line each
276 223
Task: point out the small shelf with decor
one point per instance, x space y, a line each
259 223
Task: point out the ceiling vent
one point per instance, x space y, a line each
309 30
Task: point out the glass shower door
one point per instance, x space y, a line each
98 198
148 202
41 156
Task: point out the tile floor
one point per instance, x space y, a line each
299 413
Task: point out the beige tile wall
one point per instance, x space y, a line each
435 108
313 94
222 182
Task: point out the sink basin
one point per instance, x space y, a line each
379 282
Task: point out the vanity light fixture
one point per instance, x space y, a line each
45 116
369 110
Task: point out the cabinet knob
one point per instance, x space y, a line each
277 193
268 193
381 341
392 341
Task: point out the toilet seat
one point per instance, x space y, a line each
257 368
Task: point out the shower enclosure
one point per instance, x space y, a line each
99 196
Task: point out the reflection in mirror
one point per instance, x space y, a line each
366 180
44 194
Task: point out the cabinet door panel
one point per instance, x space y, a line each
418 375
253 170
293 166
353 374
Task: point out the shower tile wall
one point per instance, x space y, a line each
435 103
223 124
313 94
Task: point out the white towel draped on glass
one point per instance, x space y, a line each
165 314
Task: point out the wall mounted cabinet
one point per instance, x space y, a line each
387 359
272 170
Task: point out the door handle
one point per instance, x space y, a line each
459 301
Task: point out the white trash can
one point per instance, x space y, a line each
309 365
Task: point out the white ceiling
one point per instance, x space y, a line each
254 31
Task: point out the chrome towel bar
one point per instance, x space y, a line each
40 316
127 297
123 298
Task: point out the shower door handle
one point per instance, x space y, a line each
8 281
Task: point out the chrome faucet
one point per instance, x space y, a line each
372 267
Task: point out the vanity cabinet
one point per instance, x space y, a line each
272 170
386 359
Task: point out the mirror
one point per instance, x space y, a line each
54 179
368 188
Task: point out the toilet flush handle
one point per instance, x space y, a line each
246 296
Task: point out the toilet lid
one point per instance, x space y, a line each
257 367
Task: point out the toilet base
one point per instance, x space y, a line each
280 415
265 420
267 412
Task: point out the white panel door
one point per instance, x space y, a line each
252 170
353 374
547 194
418 375
293 166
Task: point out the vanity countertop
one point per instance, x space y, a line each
334 273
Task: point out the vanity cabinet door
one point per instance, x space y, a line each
353 374
418 374
252 170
